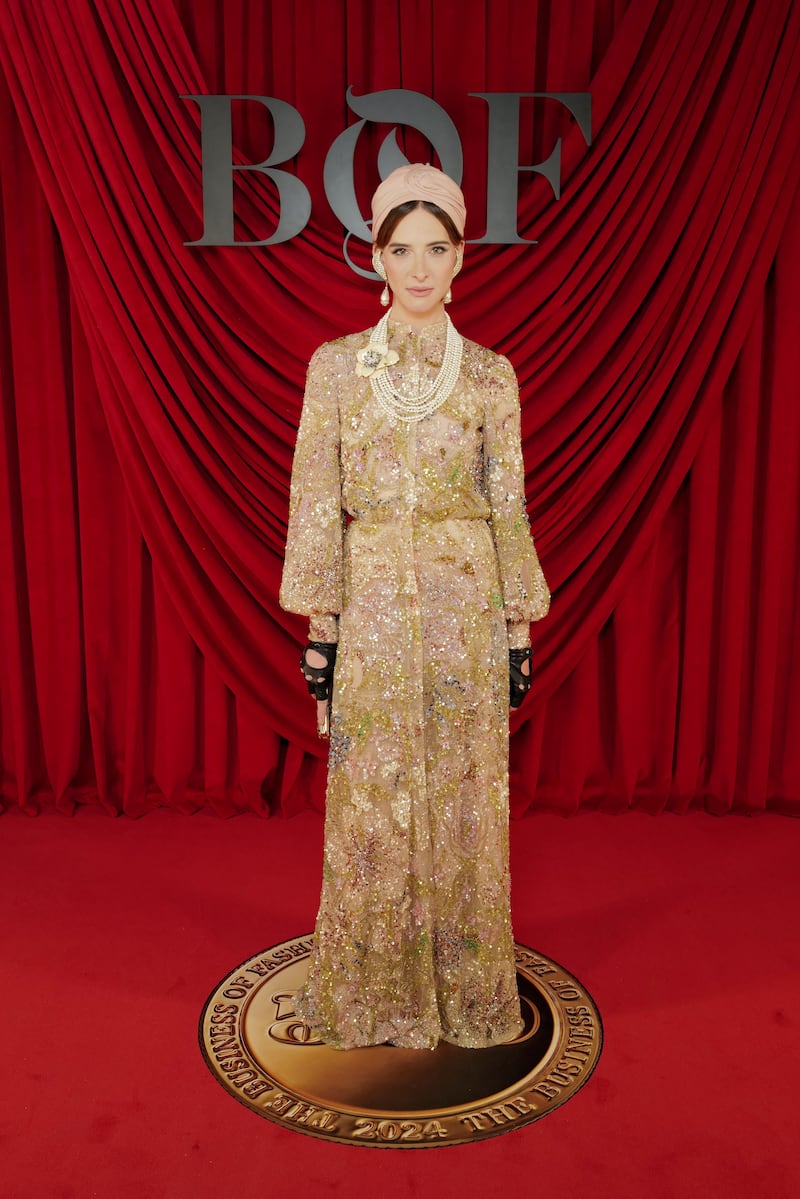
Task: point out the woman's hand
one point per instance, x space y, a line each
519 670
317 662
316 659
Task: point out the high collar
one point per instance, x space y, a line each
429 336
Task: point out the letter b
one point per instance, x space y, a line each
218 167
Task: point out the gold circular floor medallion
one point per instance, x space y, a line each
382 1096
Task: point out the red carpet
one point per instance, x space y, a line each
684 929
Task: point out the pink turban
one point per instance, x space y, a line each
418 182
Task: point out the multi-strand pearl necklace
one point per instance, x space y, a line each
411 408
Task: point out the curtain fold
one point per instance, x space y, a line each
151 389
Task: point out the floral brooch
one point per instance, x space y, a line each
375 357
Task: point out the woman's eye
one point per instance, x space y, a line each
398 250
438 249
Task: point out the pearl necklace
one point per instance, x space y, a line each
409 409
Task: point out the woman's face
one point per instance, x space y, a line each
419 261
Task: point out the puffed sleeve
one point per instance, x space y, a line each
312 570
526 596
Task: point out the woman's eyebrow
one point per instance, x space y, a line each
402 245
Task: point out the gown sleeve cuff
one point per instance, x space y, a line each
519 634
323 627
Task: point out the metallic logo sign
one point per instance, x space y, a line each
394 107
266 1057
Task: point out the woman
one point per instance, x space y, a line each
409 546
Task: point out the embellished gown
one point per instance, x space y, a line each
410 543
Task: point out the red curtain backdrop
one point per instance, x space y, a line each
151 390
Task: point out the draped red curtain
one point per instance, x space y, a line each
151 390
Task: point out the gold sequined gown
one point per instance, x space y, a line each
416 537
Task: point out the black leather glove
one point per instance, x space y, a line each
319 679
520 684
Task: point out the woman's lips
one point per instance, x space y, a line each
420 291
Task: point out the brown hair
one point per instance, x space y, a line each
394 218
